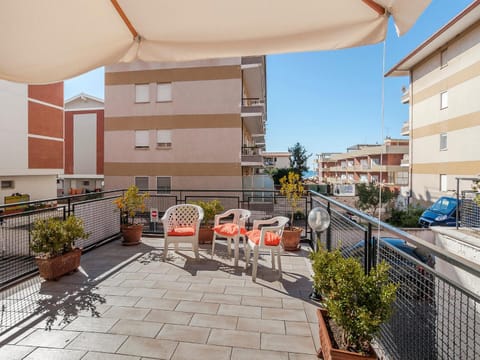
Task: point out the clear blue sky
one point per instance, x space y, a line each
330 100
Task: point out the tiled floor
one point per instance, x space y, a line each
126 303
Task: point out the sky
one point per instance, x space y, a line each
330 100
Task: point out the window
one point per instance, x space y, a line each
142 93
443 182
364 164
375 161
141 182
402 178
443 58
7 184
141 139
444 100
164 184
443 141
164 92
164 139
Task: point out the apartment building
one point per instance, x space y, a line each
191 125
31 139
84 122
324 162
276 159
367 163
443 97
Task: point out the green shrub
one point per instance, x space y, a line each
210 209
406 218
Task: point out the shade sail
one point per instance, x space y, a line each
49 40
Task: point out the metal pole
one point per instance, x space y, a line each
458 203
329 231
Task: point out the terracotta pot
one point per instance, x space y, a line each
205 235
327 351
52 269
132 234
291 239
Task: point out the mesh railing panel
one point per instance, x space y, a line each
469 211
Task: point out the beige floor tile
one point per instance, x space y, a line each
137 283
121 300
283 314
146 347
162 277
243 290
104 356
229 282
261 301
157 303
182 295
213 274
298 328
214 321
259 325
130 276
185 351
112 290
291 303
240 310
290 343
197 307
194 279
296 356
222 299
53 338
170 285
252 354
169 317
97 342
126 312
54 354
136 328
184 333
143 292
15 352
93 324
237 338
207 288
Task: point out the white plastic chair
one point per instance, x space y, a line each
266 235
234 229
181 224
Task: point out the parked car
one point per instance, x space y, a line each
442 213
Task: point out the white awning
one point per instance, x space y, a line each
50 40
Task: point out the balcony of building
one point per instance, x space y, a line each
125 302
405 131
405 99
252 156
405 160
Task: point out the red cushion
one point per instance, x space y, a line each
228 229
182 231
270 239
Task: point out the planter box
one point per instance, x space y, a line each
54 268
327 351
132 234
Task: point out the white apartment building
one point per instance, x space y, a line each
444 99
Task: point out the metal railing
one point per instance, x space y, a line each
434 316
468 211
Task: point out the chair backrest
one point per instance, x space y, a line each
182 215
275 225
240 216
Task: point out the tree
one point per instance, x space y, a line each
298 159
368 197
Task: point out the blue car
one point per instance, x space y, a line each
442 213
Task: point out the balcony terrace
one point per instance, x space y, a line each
125 303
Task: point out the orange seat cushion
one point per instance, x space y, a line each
228 229
182 231
271 239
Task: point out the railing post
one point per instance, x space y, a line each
458 203
69 204
329 230
368 249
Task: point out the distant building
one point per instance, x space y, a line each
84 143
323 163
31 139
276 159
191 125
364 163
444 123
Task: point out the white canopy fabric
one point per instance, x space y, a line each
44 41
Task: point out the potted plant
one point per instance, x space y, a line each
210 209
292 189
129 204
53 241
356 302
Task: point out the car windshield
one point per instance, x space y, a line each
444 206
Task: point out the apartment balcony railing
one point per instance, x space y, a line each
434 317
405 131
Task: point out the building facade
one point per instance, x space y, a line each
31 139
364 163
84 154
192 125
443 97
276 159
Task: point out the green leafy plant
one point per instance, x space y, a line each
369 199
210 209
476 187
52 237
406 218
130 203
292 188
356 302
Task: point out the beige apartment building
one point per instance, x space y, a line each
444 99
191 125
